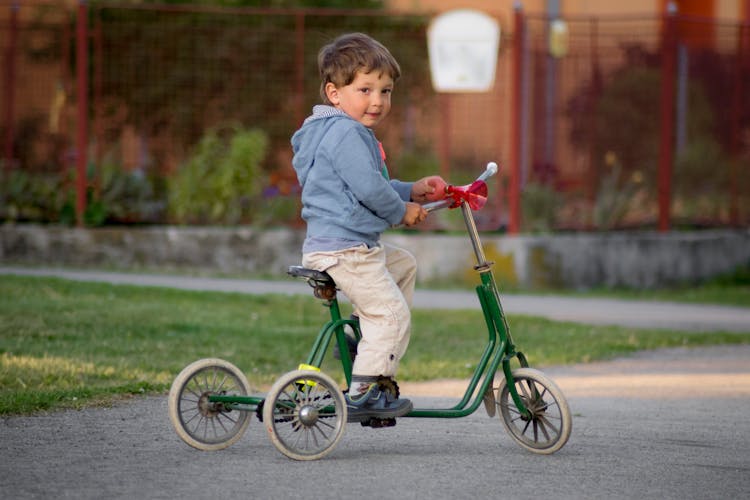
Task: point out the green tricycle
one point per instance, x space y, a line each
305 411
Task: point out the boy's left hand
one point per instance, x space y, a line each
427 189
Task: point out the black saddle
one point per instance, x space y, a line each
321 277
321 281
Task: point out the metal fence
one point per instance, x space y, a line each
636 122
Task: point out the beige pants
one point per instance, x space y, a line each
379 281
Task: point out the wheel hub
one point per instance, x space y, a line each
308 415
535 407
206 407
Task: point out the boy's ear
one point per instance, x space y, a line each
332 93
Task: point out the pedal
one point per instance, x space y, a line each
379 423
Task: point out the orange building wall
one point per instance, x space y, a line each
721 9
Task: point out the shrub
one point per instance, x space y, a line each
539 206
30 197
221 179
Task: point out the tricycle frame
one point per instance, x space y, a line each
499 351
307 403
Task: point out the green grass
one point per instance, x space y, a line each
730 294
709 293
71 344
730 289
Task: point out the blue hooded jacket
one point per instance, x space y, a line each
346 196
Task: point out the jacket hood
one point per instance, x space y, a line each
306 140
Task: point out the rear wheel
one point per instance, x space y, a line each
546 428
305 414
200 423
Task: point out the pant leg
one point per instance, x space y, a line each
385 319
403 268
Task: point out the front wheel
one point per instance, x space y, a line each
546 427
305 414
200 423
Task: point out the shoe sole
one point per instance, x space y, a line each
364 416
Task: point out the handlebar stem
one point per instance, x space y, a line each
471 228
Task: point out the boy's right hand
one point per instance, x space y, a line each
415 214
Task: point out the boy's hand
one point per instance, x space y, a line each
414 214
430 188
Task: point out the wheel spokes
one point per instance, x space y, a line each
305 436
536 426
213 421
306 421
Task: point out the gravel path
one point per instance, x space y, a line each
679 429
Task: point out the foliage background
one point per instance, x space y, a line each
164 75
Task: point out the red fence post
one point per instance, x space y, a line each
514 188
97 105
594 94
743 43
82 87
667 105
10 85
299 57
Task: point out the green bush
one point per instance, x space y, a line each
130 195
615 194
123 196
221 179
701 181
619 117
30 197
539 206
94 215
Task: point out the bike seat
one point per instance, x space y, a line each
319 277
321 282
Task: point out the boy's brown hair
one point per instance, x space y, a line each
340 60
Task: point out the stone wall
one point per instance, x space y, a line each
580 260
587 260
236 250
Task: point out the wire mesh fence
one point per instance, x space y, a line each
170 86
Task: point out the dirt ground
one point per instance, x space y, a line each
715 371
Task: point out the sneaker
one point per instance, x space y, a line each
376 403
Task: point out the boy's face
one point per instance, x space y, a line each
367 99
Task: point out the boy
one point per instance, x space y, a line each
348 201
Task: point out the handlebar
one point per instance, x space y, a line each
475 193
437 205
489 171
